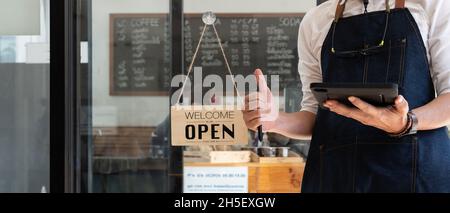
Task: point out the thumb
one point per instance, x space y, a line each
401 105
261 81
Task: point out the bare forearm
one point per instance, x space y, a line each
298 125
435 114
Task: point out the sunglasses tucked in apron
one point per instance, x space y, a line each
346 156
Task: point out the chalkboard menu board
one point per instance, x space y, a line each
140 54
266 41
140 49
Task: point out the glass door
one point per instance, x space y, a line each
24 96
124 82
127 53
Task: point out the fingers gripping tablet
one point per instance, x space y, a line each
375 94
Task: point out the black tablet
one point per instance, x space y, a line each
375 94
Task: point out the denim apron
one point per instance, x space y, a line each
347 156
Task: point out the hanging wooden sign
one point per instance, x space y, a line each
197 125
207 125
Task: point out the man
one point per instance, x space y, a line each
401 148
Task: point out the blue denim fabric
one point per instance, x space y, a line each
346 156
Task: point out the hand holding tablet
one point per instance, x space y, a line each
375 94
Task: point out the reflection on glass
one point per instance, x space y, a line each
130 74
24 108
130 68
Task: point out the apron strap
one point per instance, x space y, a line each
399 3
341 7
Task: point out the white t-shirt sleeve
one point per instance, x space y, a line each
439 43
308 66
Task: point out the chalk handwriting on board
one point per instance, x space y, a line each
141 48
140 54
266 41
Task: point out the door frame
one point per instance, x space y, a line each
64 53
